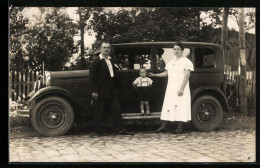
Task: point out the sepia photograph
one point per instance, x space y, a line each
132 84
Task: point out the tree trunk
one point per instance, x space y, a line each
82 51
224 31
224 34
242 83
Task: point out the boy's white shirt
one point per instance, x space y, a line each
145 82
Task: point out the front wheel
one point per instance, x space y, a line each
207 113
52 116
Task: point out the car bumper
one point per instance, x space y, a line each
23 113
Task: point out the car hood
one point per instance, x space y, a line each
77 73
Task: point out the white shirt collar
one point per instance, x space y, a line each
102 57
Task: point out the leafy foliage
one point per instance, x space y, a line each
49 40
17 28
147 24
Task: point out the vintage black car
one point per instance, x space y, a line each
66 94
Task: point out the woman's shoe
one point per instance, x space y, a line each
148 114
159 130
178 131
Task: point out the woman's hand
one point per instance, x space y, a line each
150 74
180 92
95 96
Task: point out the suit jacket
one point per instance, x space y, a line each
100 79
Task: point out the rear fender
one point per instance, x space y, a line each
213 91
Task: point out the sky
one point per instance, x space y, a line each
89 39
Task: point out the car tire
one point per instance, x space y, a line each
207 113
52 116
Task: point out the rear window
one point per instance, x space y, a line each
205 58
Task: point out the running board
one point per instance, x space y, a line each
137 115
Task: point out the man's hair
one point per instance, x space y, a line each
143 68
107 42
179 44
160 51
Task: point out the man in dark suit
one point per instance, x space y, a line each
102 78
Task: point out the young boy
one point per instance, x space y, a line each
143 84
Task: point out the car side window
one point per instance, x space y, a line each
132 57
205 58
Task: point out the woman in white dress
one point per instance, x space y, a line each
177 101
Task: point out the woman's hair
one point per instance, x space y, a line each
143 68
179 44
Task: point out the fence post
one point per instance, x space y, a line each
22 84
17 85
237 88
12 84
253 83
31 80
26 83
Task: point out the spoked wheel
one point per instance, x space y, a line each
207 113
52 116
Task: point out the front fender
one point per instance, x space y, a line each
47 90
55 91
213 91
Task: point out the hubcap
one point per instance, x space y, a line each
206 112
52 116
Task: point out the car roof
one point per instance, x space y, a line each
166 43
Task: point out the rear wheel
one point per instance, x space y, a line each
52 116
207 113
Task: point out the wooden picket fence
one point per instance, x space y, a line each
232 78
22 83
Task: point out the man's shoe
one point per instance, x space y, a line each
124 132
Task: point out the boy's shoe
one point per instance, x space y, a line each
149 114
142 114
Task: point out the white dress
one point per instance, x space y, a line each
177 108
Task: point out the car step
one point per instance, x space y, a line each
137 115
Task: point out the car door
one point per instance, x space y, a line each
130 59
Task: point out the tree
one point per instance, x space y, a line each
50 40
242 83
224 34
148 24
84 15
17 29
249 23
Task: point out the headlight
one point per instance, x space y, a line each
47 77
